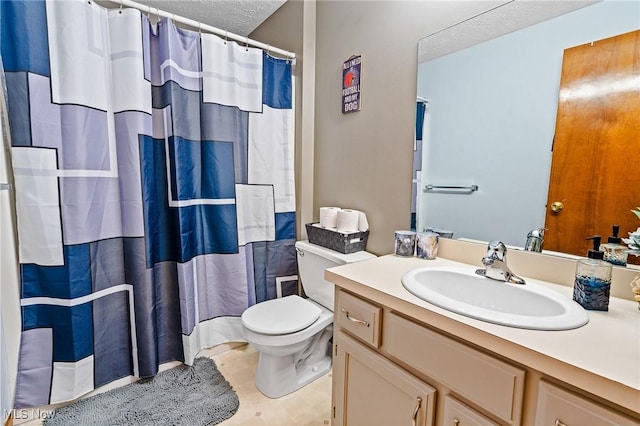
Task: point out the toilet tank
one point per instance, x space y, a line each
313 260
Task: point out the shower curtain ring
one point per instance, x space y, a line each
226 33
247 45
120 6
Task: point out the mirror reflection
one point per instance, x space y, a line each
490 119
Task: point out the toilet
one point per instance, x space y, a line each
293 334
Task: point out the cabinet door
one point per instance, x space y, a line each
557 407
370 390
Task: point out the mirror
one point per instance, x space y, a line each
491 113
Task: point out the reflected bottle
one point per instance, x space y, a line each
614 252
592 285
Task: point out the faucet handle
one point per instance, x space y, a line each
537 233
497 250
535 239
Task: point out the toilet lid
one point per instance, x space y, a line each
281 316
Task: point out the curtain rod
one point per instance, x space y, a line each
195 24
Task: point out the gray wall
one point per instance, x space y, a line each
363 160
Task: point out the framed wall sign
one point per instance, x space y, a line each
351 77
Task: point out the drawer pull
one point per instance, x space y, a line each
558 422
414 420
356 320
456 422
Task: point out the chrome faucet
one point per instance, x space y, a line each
496 264
535 238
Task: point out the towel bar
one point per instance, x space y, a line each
451 189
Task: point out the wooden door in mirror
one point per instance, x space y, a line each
595 168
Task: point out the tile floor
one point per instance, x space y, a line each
309 406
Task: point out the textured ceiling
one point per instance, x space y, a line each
236 16
243 16
504 19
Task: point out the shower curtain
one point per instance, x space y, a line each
153 171
421 107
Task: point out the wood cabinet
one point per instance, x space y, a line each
456 413
485 381
390 369
375 391
360 318
560 407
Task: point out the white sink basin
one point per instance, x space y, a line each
532 305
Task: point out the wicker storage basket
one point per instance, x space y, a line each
338 241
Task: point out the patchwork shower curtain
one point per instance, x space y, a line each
153 172
416 184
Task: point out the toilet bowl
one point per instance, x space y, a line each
293 334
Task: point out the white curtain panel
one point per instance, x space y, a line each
9 284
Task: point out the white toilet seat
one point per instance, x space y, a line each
281 316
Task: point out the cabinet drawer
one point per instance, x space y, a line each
359 318
485 381
557 406
458 414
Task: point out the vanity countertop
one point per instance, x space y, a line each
601 357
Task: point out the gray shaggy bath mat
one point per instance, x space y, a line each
183 395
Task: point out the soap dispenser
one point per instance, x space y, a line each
614 252
592 285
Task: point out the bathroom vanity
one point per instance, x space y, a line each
400 360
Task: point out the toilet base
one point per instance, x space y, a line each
277 376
